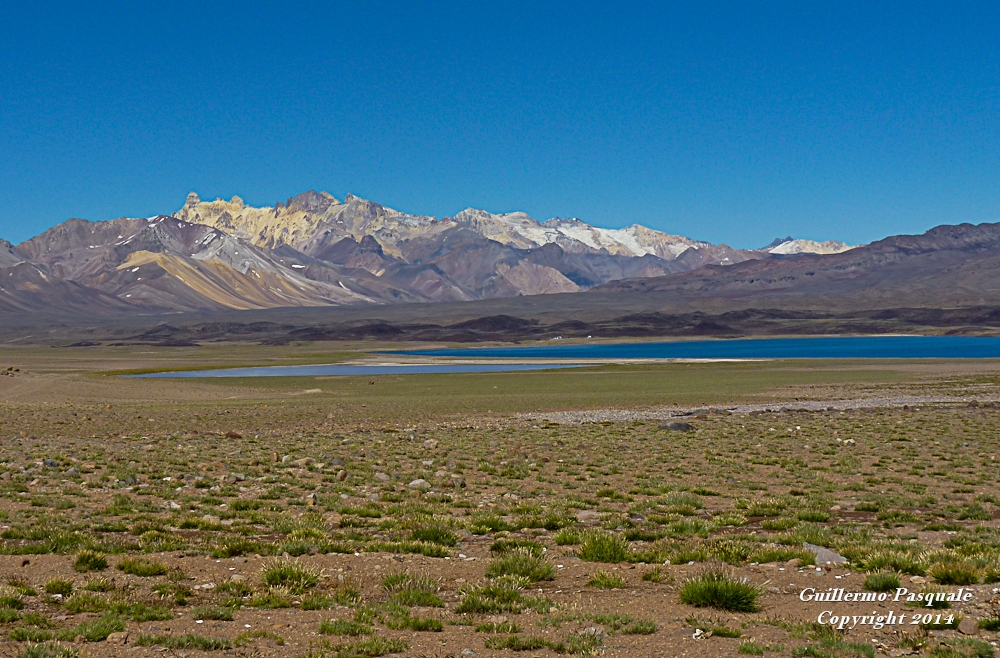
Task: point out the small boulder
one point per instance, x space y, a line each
233 435
420 484
968 626
118 638
382 477
677 426
51 463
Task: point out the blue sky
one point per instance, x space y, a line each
731 122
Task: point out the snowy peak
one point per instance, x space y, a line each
789 246
573 235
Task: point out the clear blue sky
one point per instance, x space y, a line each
735 122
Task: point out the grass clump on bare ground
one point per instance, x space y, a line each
719 590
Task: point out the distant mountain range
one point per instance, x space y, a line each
315 250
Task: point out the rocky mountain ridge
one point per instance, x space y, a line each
315 250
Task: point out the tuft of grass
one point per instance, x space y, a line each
59 586
521 561
272 599
717 589
504 546
493 598
882 582
316 601
955 573
50 650
435 535
96 630
715 628
606 580
834 647
90 561
289 573
568 537
248 637
492 627
142 567
963 647
372 647
213 612
188 641
344 627
409 590
990 623
604 547
99 585
750 648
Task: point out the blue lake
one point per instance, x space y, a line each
847 347
330 370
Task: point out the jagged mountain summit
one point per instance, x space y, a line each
315 250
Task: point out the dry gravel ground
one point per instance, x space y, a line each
264 511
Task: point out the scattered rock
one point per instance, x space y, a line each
968 626
677 426
382 477
824 555
420 484
73 471
118 638
430 444
588 516
336 462
595 632
51 463
233 435
469 652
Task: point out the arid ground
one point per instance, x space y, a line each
623 510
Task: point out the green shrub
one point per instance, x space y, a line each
717 589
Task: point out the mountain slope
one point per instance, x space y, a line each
8 255
947 265
25 288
